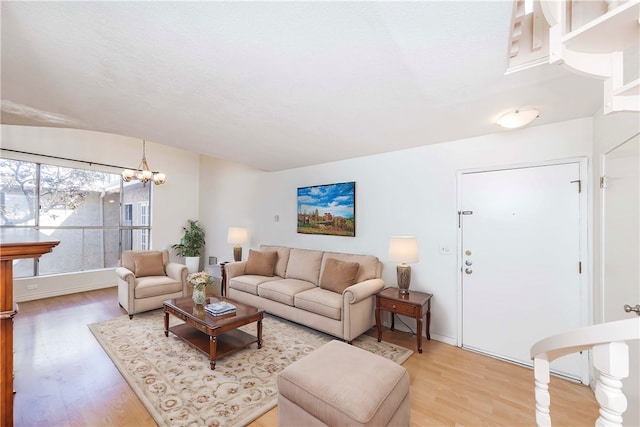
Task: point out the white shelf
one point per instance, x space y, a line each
630 89
611 32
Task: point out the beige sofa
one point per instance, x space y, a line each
306 287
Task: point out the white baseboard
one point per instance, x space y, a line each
434 336
34 288
65 291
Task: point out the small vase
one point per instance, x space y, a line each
198 296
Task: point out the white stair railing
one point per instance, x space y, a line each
610 359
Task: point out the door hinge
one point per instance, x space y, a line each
460 213
579 267
603 181
579 185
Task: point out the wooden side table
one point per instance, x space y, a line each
414 304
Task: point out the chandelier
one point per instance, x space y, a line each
143 173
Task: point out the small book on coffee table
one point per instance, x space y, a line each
219 308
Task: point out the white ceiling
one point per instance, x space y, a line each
275 85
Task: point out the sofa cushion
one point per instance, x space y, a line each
283 258
148 264
261 263
370 266
284 290
249 283
320 301
304 264
338 275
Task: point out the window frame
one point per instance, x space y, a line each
121 228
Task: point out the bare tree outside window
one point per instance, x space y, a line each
79 207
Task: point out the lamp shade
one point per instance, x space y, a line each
403 249
237 235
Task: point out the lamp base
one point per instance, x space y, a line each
404 278
237 253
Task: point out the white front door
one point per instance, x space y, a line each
520 260
621 253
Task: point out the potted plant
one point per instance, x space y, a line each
190 245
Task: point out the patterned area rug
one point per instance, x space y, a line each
177 386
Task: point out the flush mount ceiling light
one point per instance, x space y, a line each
518 118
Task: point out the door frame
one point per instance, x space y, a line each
586 209
601 315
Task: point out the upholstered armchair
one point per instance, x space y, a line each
147 278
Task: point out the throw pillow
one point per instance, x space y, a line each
148 264
338 275
261 263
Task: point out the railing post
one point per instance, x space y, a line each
543 399
612 362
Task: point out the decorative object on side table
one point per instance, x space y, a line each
199 281
403 249
237 236
190 245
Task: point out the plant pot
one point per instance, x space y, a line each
192 263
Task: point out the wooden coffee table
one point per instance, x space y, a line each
216 336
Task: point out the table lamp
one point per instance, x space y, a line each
403 249
237 236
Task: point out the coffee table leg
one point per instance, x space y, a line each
166 323
260 333
213 344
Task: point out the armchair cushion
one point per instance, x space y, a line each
261 263
338 275
148 264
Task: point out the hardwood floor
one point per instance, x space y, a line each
64 378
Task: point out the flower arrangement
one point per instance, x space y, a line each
199 280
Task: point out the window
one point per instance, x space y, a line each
127 221
144 220
79 207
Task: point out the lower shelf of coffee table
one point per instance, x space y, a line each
227 342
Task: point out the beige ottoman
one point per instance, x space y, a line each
342 385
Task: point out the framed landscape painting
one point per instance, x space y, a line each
327 209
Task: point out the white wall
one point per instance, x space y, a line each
410 192
404 192
173 202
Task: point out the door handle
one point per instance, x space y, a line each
629 309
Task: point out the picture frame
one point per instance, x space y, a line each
328 209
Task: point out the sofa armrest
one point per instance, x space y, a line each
177 271
363 290
235 269
125 275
